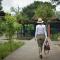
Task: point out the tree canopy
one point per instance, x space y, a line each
57 2
18 14
58 14
11 25
30 10
45 11
0 5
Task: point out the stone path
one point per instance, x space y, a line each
30 52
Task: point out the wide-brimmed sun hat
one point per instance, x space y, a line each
40 20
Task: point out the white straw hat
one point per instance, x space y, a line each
40 20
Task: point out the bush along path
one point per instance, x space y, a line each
30 52
7 47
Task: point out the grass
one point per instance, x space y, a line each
8 47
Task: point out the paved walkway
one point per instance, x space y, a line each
30 52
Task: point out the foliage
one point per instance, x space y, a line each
58 14
2 24
2 27
16 10
57 2
30 10
19 15
55 36
45 12
0 5
11 26
5 48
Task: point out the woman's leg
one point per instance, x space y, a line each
40 50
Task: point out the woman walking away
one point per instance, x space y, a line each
40 35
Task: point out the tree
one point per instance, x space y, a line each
45 11
56 2
1 12
19 15
29 10
0 5
58 14
11 26
2 25
16 11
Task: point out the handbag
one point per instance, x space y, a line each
46 45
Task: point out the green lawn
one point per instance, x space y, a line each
7 48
